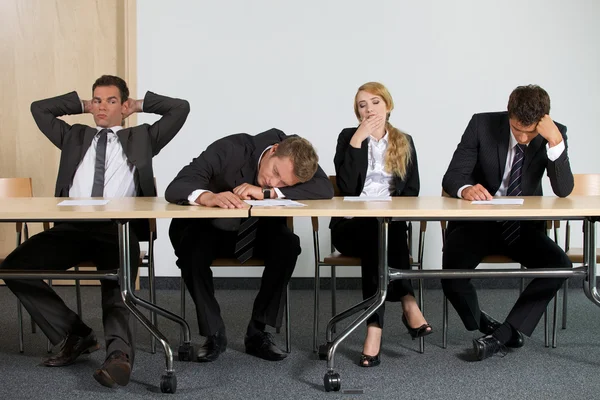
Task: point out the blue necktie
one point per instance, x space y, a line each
511 229
100 168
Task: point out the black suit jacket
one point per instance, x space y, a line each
480 157
351 169
233 160
140 143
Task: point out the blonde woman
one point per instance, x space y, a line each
376 159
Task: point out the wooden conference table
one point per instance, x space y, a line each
121 210
407 208
584 208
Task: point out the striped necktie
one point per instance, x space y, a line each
244 246
511 229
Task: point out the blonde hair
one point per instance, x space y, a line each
398 154
303 156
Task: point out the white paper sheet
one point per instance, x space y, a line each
517 202
367 198
274 202
83 202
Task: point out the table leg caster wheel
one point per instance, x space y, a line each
186 352
331 381
168 383
323 350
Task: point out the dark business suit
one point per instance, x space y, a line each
224 165
70 243
481 158
358 237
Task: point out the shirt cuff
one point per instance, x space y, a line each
459 193
192 197
555 152
280 195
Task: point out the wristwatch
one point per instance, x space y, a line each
266 193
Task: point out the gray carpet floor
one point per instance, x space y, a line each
571 371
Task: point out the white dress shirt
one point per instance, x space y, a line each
552 152
119 176
378 182
196 193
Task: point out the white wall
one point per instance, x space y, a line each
247 66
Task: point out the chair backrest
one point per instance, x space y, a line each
336 189
16 187
586 185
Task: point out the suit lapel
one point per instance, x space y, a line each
503 140
88 136
123 136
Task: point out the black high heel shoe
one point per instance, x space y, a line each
369 361
421 331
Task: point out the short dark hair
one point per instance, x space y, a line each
302 154
528 104
111 80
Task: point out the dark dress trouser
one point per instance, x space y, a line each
358 237
60 248
197 243
466 245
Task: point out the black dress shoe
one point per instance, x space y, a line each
116 370
517 340
261 345
212 347
73 347
487 346
489 325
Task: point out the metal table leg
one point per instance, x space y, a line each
168 382
331 380
589 252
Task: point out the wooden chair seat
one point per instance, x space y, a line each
89 264
497 259
339 260
576 255
234 262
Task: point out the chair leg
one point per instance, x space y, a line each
421 339
182 305
444 322
333 294
152 291
564 304
49 344
316 307
20 322
182 292
78 294
546 329
554 321
288 332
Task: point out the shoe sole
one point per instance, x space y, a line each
206 359
256 354
103 378
120 373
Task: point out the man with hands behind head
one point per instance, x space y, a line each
102 161
506 154
231 170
